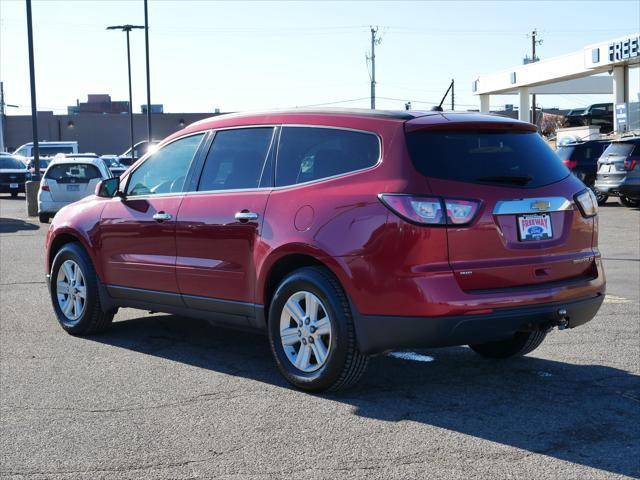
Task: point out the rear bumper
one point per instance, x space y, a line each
609 188
377 334
6 187
50 207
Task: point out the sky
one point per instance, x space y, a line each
259 55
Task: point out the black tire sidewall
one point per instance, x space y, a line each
73 251
628 202
312 281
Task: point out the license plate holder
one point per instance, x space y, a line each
534 227
14 185
73 188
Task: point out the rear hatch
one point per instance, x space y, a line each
611 170
69 182
527 230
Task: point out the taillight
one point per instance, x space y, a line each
587 203
44 187
570 164
431 210
630 164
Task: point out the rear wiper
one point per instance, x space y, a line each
515 180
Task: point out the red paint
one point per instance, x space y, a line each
386 265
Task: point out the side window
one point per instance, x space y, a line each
311 153
236 159
166 170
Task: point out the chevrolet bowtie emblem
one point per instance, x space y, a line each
541 205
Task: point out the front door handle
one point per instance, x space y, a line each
161 216
245 216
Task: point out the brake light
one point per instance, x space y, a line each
630 164
570 164
431 210
587 203
45 187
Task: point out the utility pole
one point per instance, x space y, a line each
453 94
146 47
34 109
374 41
534 42
2 117
127 29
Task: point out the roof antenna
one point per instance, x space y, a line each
439 107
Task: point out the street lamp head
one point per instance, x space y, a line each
125 28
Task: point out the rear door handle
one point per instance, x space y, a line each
161 216
245 216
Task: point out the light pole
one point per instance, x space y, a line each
146 48
127 29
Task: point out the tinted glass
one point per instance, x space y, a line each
310 153
9 162
166 170
236 159
619 148
513 158
51 150
73 173
565 153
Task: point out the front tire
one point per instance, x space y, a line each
629 202
74 292
43 217
520 344
311 332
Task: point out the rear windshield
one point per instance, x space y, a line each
76 173
506 158
565 152
619 148
13 163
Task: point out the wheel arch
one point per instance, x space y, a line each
64 237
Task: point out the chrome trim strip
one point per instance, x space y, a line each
525 205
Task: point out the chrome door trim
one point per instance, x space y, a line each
532 205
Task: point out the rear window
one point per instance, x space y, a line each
620 148
73 173
11 163
505 158
313 153
565 153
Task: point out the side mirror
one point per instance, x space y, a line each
108 188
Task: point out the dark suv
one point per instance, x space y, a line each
342 234
582 159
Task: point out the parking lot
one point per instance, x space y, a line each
159 396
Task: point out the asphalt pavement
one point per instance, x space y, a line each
159 396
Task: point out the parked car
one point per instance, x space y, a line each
47 149
113 164
613 165
630 188
582 159
67 180
600 114
13 174
44 163
342 234
139 149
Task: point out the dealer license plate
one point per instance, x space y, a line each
73 188
535 227
13 185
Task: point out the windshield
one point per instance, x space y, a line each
511 158
11 163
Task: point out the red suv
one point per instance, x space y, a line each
342 234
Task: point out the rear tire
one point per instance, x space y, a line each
629 202
74 292
14 194
600 197
520 344
43 217
320 352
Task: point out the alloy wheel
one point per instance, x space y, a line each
71 290
305 331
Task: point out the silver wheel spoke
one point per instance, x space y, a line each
77 310
302 359
311 306
82 292
68 306
293 309
323 326
289 336
68 271
319 351
62 288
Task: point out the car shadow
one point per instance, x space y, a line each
584 414
12 225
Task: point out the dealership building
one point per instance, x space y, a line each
607 68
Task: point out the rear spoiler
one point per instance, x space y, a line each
476 122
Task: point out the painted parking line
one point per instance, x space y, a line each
614 299
412 356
